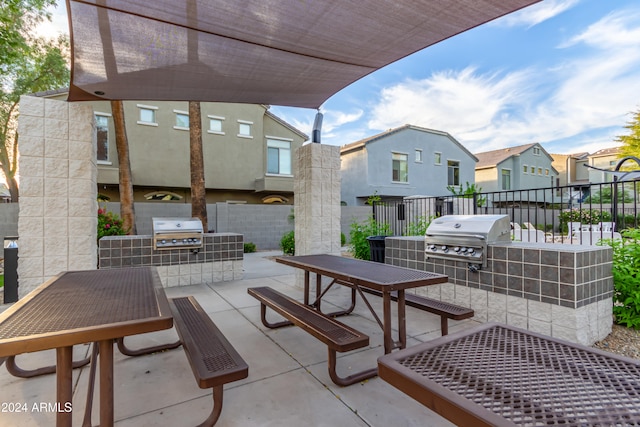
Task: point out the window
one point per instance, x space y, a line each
453 172
182 120
506 179
147 115
539 171
102 136
399 167
279 157
215 125
536 151
546 172
162 196
524 169
437 158
244 129
418 156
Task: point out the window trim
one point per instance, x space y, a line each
406 163
502 170
182 113
277 138
419 150
459 166
147 107
438 154
107 162
220 119
245 122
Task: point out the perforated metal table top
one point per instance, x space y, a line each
500 375
85 306
365 273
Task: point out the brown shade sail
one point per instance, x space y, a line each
281 52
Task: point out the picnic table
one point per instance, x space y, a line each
389 280
499 375
85 306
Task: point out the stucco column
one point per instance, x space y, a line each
317 199
57 220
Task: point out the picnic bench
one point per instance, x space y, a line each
443 309
500 375
213 359
336 335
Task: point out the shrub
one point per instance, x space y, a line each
626 278
249 248
418 228
343 239
109 224
288 243
359 246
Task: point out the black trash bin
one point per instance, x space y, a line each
10 269
376 248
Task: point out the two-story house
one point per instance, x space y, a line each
247 150
405 161
515 168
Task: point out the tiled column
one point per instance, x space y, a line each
57 223
317 199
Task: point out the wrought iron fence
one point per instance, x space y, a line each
575 214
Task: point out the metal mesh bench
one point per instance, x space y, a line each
213 359
336 335
443 309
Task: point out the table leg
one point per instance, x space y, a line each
306 287
318 291
106 383
386 322
402 320
64 390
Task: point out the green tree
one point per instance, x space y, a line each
631 142
28 64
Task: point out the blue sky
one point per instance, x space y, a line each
564 73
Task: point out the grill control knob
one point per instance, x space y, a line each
472 251
433 248
457 249
463 250
445 249
174 241
163 241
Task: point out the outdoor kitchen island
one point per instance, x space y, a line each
564 291
219 258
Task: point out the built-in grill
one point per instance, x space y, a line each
177 233
466 237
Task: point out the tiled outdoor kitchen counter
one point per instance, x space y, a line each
219 259
564 291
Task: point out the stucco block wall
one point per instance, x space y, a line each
317 199
57 223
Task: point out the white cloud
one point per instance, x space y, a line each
537 13
616 30
59 23
580 102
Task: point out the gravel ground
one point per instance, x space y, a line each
623 341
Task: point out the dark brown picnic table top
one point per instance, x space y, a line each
78 307
374 275
498 375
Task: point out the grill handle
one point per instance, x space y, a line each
477 236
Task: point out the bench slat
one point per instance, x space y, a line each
213 359
331 332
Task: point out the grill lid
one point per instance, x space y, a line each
172 233
489 228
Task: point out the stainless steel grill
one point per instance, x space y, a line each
177 233
466 237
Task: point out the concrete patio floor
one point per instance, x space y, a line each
288 383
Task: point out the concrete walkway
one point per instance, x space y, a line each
288 383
